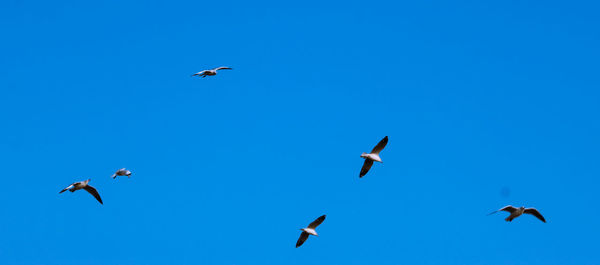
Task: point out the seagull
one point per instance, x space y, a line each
516 212
211 72
83 185
309 230
122 172
373 156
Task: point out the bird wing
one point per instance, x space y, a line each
535 213
303 237
94 192
366 166
380 146
508 208
317 222
223 68
67 188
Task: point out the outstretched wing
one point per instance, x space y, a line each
380 146
303 237
535 213
67 188
366 166
317 222
120 172
223 68
199 73
94 192
508 208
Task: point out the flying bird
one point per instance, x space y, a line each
373 156
516 212
122 172
309 230
83 185
211 72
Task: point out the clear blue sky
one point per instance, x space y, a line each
485 104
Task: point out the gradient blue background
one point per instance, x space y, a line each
485 104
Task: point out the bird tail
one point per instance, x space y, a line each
509 219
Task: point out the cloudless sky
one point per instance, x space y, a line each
485 104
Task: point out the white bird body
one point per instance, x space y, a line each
310 231
374 157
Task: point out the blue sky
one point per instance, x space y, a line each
485 104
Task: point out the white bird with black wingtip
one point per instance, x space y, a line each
83 185
122 172
310 230
373 156
211 72
516 212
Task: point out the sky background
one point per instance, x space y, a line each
485 104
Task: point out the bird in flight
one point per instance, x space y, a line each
309 230
83 185
211 72
516 212
373 156
122 172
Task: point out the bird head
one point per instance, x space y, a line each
363 155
